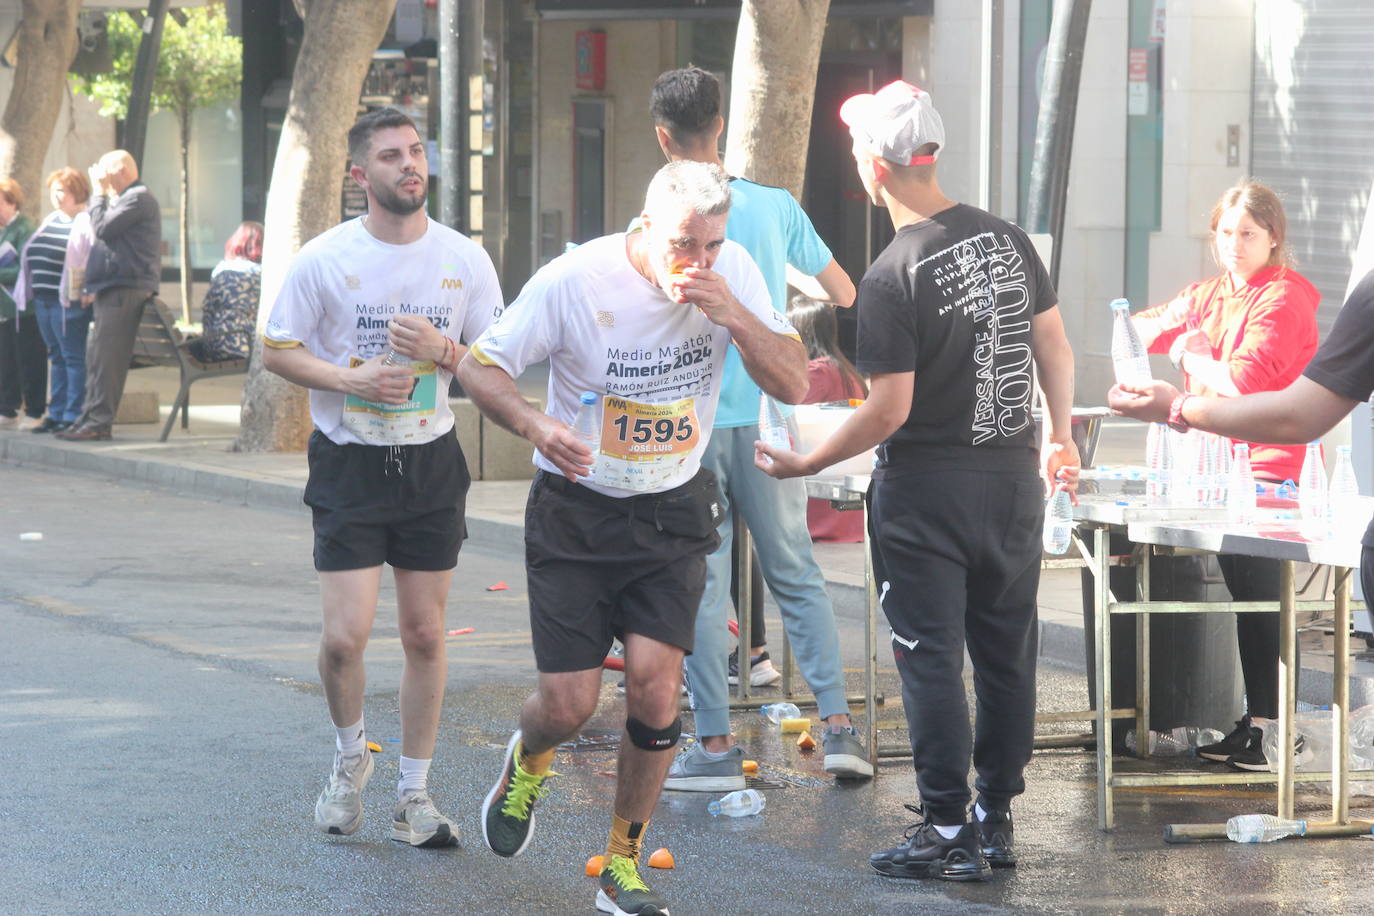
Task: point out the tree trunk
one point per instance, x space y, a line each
184 216
772 88
303 199
46 44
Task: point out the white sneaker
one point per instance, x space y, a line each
762 673
339 809
9 422
415 820
28 423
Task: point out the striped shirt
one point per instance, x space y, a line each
46 252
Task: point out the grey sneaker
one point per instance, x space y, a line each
416 821
693 770
339 809
844 755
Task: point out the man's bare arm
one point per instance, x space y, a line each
832 284
371 381
1302 412
495 394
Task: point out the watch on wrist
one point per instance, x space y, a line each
1176 421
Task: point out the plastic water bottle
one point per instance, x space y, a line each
1240 491
586 425
1058 521
772 424
1262 828
1157 463
776 712
1312 485
738 804
1129 358
1343 510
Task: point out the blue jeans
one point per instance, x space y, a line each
64 331
775 511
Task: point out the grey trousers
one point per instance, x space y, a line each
109 348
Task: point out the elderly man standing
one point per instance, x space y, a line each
635 326
123 272
952 314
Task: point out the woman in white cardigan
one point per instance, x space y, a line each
51 273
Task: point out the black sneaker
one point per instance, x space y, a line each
926 854
1252 758
1240 738
995 837
508 810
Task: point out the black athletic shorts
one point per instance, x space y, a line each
599 567
376 504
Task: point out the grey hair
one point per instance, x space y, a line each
686 185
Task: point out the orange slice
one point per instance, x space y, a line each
593 867
805 741
661 858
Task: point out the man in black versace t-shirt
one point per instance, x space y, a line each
1340 376
953 315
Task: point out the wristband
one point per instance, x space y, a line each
1176 421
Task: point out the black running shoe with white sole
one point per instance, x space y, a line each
1234 743
926 854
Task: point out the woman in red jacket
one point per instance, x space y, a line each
1251 328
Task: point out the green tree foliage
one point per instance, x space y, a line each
199 65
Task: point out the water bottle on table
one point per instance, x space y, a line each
1343 508
1240 491
1262 828
1130 361
1312 485
586 426
738 804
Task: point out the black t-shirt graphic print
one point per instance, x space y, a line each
951 298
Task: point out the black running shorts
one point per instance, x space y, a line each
600 567
376 504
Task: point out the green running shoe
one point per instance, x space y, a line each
508 811
624 893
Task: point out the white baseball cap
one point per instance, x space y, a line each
895 122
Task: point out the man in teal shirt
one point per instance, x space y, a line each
768 222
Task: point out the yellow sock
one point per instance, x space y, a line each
535 764
625 838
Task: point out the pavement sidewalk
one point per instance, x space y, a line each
201 462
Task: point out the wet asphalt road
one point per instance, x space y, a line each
163 736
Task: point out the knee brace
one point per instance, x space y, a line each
653 739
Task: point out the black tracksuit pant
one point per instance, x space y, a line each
956 559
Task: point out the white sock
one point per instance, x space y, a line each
414 776
351 741
947 831
978 812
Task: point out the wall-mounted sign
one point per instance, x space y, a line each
590 60
1138 82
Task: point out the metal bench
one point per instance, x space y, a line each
159 343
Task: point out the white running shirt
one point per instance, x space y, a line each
341 290
655 362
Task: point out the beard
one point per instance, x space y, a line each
394 201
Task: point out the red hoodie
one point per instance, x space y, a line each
1265 333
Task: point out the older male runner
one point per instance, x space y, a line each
616 542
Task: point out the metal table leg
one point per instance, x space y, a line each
1142 654
1288 682
1100 565
744 602
870 650
1340 703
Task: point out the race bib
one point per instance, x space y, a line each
395 424
644 445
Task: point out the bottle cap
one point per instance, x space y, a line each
1121 303
588 397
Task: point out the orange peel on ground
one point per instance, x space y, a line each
805 741
593 866
750 766
661 858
